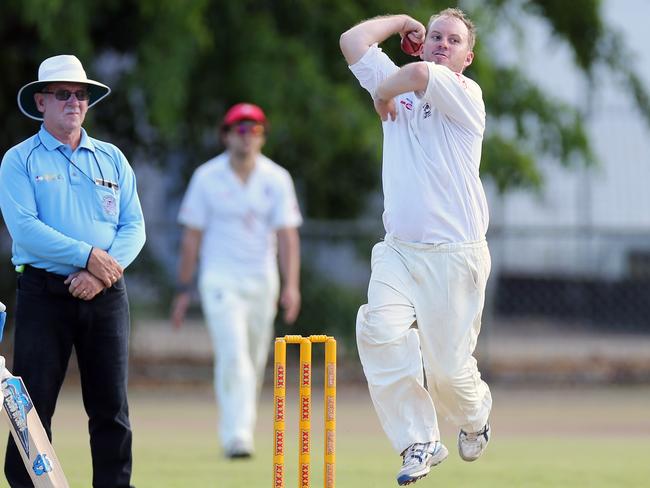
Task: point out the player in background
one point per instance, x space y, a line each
70 204
427 286
240 216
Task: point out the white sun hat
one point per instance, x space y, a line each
62 68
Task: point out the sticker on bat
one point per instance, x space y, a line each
17 405
42 465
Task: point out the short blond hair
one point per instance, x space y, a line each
460 15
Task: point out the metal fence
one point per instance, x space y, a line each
596 277
544 318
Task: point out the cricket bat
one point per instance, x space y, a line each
35 448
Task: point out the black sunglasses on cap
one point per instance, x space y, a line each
64 95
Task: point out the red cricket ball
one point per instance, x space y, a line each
409 47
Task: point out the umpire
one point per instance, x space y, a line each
71 206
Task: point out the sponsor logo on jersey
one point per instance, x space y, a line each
426 109
407 102
48 177
109 205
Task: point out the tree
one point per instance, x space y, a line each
175 66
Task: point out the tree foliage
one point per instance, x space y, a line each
176 65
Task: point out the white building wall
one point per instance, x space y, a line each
585 221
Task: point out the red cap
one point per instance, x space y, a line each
244 111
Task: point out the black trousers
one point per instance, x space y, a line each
49 322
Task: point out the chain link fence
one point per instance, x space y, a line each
597 279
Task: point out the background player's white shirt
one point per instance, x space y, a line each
239 220
431 156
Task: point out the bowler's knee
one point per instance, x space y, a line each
454 376
369 332
377 329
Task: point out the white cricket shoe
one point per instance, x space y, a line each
238 449
418 460
472 444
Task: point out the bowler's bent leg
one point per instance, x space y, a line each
449 319
389 350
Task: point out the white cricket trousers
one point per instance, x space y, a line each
442 287
239 316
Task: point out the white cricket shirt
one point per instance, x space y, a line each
238 219
431 155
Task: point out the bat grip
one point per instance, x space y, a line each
3 317
4 372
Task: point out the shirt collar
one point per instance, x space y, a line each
51 143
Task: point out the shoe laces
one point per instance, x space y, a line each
417 452
473 436
469 436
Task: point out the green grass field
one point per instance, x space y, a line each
584 437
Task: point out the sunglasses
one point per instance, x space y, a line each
248 128
64 95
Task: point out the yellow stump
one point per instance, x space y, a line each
279 404
304 414
330 413
304 407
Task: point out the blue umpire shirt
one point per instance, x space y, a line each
58 204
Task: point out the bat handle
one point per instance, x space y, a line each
3 317
4 372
